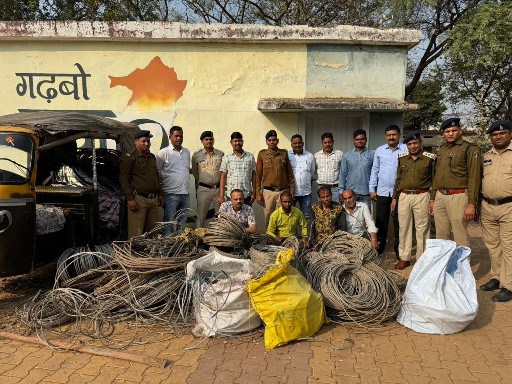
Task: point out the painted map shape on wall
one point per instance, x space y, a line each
154 87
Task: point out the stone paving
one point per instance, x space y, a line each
482 354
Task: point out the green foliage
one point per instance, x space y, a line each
428 94
479 63
19 10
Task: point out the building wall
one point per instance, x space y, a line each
198 86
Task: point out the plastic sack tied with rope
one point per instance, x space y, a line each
440 296
285 301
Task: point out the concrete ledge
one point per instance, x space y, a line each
334 104
180 32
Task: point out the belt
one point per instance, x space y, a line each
452 191
145 194
414 191
503 200
329 185
208 185
275 189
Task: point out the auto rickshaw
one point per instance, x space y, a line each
52 161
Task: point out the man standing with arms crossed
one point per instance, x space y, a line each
273 175
356 167
382 184
238 171
456 184
412 189
496 215
303 166
174 166
206 170
140 183
328 164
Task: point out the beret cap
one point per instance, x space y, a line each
451 122
412 136
143 133
206 134
270 133
499 125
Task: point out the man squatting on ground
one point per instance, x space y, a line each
240 211
287 221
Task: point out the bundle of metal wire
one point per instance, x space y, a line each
352 246
141 262
226 231
352 290
264 255
91 258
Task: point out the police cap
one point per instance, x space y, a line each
451 122
499 125
270 133
412 136
206 134
143 133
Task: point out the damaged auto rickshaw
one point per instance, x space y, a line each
59 185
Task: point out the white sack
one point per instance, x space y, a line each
440 296
222 307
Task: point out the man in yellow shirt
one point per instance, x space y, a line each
286 220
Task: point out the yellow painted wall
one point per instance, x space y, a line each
224 83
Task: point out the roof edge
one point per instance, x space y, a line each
130 31
334 104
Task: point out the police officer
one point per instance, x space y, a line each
206 170
456 184
412 187
273 174
140 184
496 214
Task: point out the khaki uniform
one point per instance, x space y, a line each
412 189
273 174
140 181
496 217
456 184
205 168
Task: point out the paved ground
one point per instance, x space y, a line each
482 353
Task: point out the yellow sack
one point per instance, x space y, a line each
286 303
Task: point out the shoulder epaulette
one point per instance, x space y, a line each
430 155
403 154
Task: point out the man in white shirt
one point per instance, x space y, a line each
303 166
328 164
173 164
358 217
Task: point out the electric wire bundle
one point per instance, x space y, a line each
226 231
129 281
354 288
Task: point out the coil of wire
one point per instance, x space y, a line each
226 231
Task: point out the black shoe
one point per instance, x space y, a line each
502 296
491 285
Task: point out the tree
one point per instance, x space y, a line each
429 95
479 64
435 18
19 10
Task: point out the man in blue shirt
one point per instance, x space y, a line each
356 167
382 183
